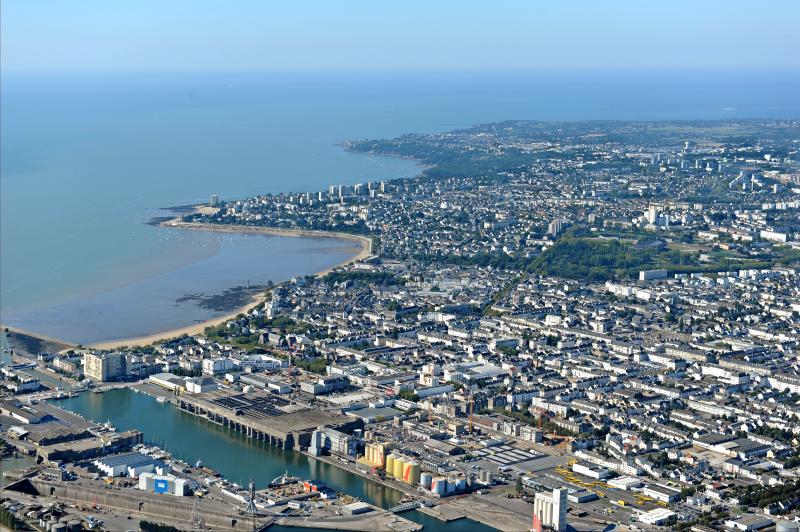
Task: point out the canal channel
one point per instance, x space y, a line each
235 456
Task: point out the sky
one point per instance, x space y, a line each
399 35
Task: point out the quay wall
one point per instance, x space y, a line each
177 509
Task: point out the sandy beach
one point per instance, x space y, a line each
363 242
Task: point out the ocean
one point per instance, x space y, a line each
86 159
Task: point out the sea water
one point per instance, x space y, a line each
87 158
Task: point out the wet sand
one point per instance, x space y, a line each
30 343
365 243
35 341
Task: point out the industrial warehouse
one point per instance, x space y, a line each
265 417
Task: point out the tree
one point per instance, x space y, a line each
317 365
147 526
408 395
10 522
520 487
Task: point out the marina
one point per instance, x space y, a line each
236 456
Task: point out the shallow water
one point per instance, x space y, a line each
190 294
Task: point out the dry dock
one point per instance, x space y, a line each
375 521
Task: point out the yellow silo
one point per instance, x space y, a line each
368 453
397 468
390 465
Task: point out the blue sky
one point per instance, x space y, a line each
401 35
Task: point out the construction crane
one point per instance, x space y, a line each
251 510
198 523
430 412
540 412
471 406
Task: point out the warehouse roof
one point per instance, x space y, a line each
127 459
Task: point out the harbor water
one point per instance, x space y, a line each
235 456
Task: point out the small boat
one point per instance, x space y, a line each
162 400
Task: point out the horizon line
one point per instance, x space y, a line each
427 70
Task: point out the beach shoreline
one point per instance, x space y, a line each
364 243
23 340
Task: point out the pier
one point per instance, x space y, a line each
265 418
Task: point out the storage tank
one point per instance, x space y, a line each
406 476
247 389
439 485
390 465
74 526
401 460
416 471
59 527
411 471
399 463
380 456
425 480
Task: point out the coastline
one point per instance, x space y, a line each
25 339
348 147
364 243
